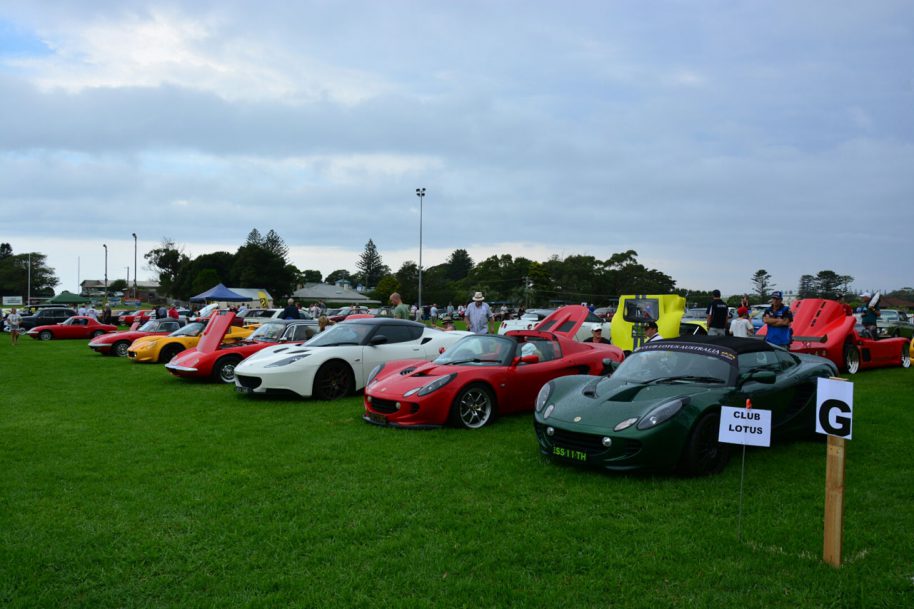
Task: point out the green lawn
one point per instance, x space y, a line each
122 486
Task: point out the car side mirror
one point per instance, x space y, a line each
766 377
377 340
609 366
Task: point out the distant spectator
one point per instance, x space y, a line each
161 312
240 313
717 312
322 322
106 314
400 310
871 314
478 315
81 311
450 311
291 311
778 318
433 313
91 312
651 332
596 336
741 326
14 321
744 301
173 312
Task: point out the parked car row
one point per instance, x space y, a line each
655 407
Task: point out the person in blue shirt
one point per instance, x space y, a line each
778 318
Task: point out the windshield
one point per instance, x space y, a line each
268 332
695 313
480 349
888 315
190 329
659 366
150 326
349 333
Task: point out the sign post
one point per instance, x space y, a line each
747 427
834 417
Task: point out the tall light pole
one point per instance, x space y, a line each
420 192
128 278
134 268
104 245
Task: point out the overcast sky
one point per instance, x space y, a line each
715 138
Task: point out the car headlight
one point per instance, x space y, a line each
543 396
660 414
288 360
374 372
433 386
625 424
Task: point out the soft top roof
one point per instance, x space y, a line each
385 321
734 343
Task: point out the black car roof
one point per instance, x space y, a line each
385 321
739 345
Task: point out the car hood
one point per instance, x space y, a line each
215 330
624 401
566 321
267 356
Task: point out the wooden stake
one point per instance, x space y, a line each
834 501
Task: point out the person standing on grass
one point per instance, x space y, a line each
14 319
717 312
478 315
741 326
778 318
400 311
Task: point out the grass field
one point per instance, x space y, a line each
122 486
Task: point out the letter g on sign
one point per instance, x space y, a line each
834 418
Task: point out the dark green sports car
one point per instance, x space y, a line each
660 408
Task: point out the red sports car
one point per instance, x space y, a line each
482 375
117 343
141 316
78 326
820 327
210 359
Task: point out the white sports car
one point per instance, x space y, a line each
337 361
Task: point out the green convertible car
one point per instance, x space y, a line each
660 408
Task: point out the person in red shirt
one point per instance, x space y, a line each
173 312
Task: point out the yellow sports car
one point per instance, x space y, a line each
635 311
163 348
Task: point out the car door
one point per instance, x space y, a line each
785 397
524 380
401 341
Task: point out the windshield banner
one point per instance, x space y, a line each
722 353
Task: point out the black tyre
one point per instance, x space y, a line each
333 381
120 348
906 355
851 359
704 454
45 335
168 352
224 370
474 407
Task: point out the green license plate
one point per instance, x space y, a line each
568 453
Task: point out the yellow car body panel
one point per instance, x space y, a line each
150 348
667 309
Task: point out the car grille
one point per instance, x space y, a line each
251 382
385 406
592 444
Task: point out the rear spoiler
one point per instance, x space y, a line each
811 339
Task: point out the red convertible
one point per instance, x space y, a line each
820 327
212 359
79 326
117 343
482 375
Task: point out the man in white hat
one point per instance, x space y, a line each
478 315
